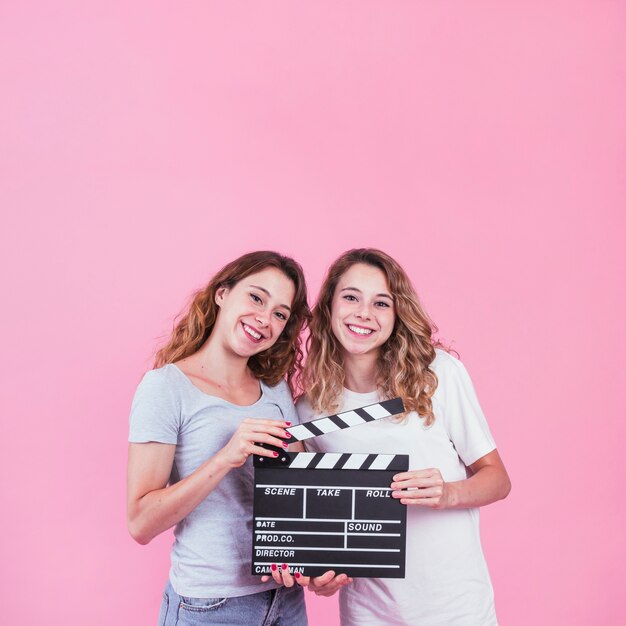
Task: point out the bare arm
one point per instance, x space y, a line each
153 506
489 482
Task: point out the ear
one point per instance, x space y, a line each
220 294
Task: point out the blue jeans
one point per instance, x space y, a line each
277 607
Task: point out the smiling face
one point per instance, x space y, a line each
363 313
254 311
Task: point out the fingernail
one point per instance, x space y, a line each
297 574
284 566
288 423
287 435
274 567
285 444
275 453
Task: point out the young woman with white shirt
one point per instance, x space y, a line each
372 340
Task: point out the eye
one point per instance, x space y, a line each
256 298
384 305
350 298
281 316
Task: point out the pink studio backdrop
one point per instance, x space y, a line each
144 144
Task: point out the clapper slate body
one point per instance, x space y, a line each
330 511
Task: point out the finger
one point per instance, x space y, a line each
341 580
423 473
256 433
416 483
418 479
264 425
418 494
333 585
266 438
432 503
259 451
331 588
288 579
303 581
324 579
328 585
276 574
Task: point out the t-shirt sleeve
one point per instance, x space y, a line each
463 417
155 413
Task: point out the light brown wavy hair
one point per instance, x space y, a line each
403 364
283 359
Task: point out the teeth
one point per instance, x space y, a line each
252 332
360 331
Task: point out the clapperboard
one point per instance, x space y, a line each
318 512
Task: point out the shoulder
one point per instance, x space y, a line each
162 382
303 407
156 411
451 373
160 374
445 364
166 376
280 391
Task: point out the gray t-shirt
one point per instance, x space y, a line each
212 550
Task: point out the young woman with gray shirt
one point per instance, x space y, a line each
220 386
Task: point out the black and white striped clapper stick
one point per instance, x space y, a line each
346 419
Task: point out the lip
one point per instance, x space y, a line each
249 336
357 335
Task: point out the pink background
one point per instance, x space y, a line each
144 144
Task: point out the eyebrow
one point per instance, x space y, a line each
378 295
284 306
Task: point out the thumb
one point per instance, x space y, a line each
324 578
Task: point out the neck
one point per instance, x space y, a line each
360 372
221 365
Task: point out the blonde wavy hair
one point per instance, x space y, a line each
283 359
403 364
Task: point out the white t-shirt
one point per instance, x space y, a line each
447 581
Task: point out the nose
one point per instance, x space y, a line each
364 311
262 319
